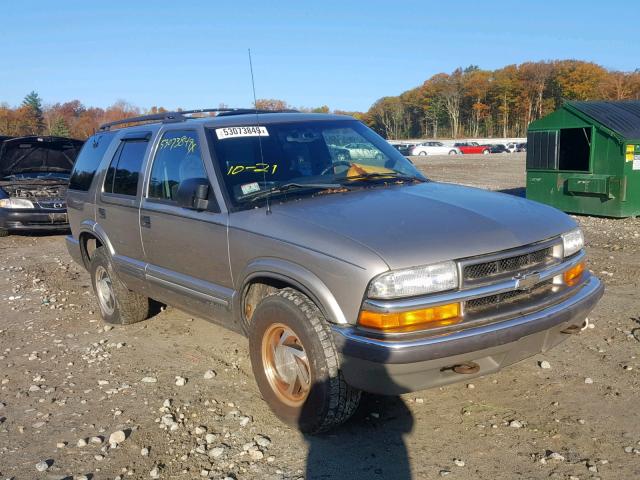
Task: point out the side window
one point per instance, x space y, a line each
178 158
124 171
89 160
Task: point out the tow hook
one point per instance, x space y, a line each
466 368
571 329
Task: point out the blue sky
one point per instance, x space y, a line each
193 54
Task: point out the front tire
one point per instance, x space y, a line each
485 152
452 152
118 304
295 363
422 154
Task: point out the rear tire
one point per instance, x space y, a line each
118 304
485 152
422 154
296 364
452 152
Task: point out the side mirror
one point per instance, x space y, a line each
193 193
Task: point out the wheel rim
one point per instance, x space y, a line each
104 290
286 365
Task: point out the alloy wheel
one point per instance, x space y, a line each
104 291
286 365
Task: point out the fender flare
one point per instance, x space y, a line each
296 275
95 230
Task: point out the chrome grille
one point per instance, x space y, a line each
477 305
57 204
509 266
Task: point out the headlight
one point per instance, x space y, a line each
415 281
572 242
15 203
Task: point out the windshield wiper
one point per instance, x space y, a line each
393 176
285 187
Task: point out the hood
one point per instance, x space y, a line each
38 154
414 225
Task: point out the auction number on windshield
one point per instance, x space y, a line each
257 168
235 132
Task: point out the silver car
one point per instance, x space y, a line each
434 148
347 274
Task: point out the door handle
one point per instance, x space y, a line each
145 221
102 213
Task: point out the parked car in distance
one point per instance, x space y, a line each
345 275
338 154
472 147
34 175
521 147
404 148
497 148
362 151
434 148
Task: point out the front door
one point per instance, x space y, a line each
186 249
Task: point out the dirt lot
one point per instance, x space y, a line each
67 384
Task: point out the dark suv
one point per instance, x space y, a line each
347 272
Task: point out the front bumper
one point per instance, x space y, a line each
393 367
33 219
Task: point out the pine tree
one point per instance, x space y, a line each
33 103
60 128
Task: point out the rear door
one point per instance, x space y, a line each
186 250
81 203
117 209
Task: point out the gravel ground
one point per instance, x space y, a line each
174 397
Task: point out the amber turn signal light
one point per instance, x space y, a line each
439 316
572 276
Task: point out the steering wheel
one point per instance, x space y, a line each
334 165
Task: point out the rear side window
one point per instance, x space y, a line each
124 171
89 160
178 159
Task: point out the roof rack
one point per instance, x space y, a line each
244 111
184 115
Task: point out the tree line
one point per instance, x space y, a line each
74 119
469 102
473 102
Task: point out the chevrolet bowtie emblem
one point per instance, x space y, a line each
526 281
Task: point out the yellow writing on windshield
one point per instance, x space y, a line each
257 168
179 142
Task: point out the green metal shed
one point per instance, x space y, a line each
585 158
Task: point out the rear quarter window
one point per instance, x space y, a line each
124 171
89 160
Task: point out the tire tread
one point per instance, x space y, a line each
344 398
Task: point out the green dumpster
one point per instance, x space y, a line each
585 158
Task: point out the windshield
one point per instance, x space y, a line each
314 154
